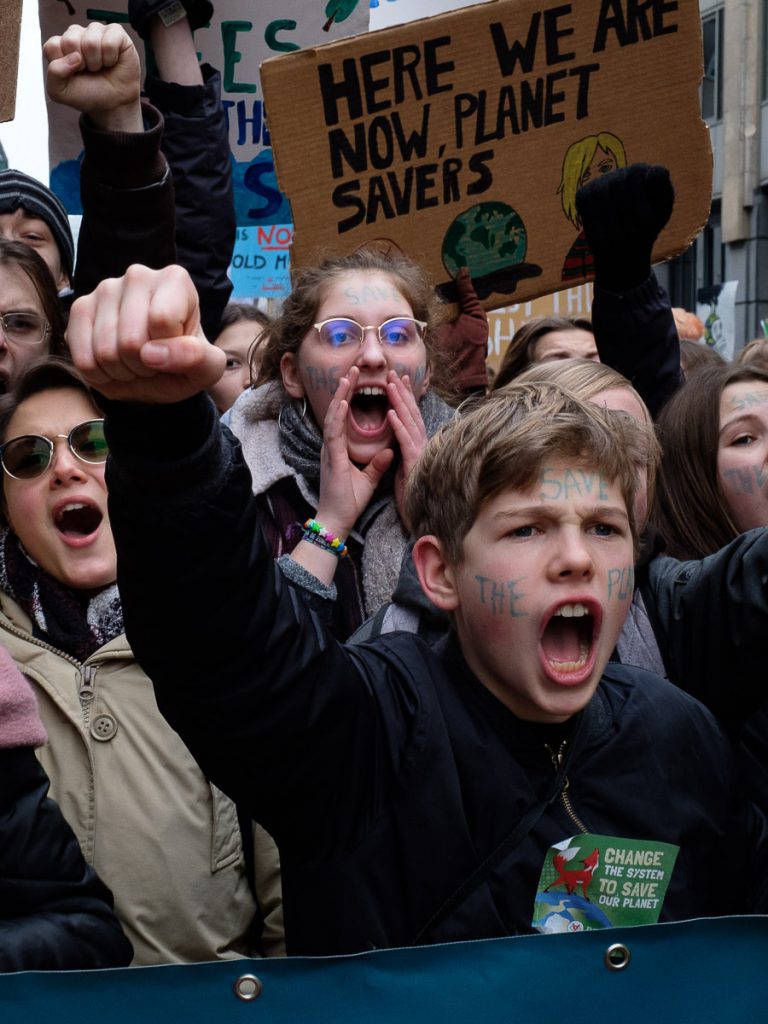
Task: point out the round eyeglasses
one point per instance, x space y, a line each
24 328
341 332
30 455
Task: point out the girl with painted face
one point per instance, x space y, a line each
148 821
348 357
713 482
712 507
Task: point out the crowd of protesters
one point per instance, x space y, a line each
314 639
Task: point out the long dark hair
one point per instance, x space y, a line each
17 256
521 351
690 509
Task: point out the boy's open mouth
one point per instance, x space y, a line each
567 642
369 408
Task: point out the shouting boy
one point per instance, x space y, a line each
506 780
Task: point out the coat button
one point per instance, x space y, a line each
103 728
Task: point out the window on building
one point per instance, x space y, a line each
764 51
712 83
700 266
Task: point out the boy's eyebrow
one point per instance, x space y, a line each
550 507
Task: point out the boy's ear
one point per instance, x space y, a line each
436 575
290 372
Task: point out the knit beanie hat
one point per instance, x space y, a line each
18 189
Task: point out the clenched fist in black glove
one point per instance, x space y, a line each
622 214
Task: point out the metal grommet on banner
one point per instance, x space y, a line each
617 957
248 987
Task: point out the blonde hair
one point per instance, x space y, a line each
585 379
755 351
503 443
578 157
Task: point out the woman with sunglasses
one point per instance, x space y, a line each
350 353
31 318
167 843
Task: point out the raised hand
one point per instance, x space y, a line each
137 338
345 489
408 425
96 70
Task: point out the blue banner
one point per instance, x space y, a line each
693 971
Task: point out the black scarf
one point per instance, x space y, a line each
76 622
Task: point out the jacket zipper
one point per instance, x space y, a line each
86 691
557 760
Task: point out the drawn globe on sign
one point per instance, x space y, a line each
490 240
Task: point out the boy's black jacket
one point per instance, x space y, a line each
386 772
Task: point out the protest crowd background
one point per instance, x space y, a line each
413 591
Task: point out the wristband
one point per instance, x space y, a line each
317 534
172 13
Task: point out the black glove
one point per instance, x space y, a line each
622 214
141 13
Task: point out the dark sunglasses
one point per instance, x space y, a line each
30 455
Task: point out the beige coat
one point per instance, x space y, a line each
166 842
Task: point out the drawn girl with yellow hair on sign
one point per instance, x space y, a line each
584 160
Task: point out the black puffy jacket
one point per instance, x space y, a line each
55 913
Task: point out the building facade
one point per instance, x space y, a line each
733 245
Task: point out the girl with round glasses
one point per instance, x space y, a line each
164 840
342 409
31 319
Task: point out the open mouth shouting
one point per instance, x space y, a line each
368 410
568 641
77 521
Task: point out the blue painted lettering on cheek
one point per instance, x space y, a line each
739 480
501 597
327 380
621 583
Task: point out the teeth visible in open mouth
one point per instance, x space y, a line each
572 611
572 666
73 506
78 518
371 391
584 631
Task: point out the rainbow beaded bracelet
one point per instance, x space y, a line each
317 534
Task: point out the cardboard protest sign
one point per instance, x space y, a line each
10 33
464 137
239 37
